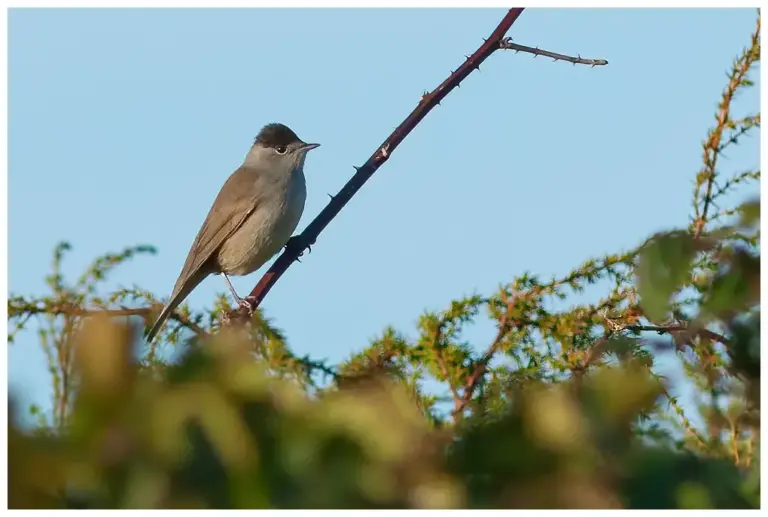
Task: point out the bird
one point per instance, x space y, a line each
251 219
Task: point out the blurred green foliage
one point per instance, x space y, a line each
562 409
216 431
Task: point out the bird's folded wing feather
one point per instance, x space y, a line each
237 199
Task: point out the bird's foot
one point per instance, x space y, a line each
295 243
249 303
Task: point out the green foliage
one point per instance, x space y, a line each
663 268
216 431
564 408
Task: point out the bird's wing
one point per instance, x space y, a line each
237 199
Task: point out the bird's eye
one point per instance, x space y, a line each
281 149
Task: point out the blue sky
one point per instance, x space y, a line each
124 124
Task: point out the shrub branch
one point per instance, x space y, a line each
295 248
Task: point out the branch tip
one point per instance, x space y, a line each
507 44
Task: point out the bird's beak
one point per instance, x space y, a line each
309 147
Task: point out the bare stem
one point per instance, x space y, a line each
507 44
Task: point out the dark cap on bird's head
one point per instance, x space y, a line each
281 138
276 135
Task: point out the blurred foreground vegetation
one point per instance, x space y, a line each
563 409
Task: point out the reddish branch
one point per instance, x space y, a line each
480 366
377 159
297 245
477 375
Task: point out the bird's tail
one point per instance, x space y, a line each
181 291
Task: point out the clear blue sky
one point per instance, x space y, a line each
125 124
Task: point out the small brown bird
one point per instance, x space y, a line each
252 218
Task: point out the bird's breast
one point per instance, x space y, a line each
266 230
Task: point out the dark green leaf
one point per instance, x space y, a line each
664 267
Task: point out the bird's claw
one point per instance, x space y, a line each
248 303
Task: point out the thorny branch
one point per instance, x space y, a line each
671 329
72 310
712 146
507 44
294 250
593 352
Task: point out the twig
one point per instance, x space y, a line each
713 142
64 352
591 354
736 179
442 364
739 129
687 425
377 159
714 336
480 367
70 310
311 366
507 44
19 325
